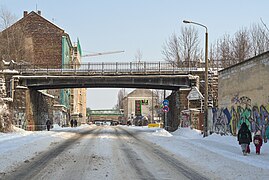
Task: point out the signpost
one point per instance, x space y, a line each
165 110
165 105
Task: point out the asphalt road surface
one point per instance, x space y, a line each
105 153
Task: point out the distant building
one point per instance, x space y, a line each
33 40
141 102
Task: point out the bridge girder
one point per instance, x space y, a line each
169 82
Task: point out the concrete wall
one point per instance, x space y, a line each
244 96
249 79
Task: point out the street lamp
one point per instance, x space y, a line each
206 75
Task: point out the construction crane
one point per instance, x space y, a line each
103 53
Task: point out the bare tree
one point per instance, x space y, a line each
259 39
246 43
223 52
12 38
171 50
6 18
213 57
121 95
184 49
241 45
189 42
138 56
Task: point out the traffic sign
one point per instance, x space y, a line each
166 109
165 102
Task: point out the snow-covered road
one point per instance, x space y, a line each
104 153
90 152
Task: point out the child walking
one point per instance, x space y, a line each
257 139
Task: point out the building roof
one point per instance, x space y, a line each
32 13
141 93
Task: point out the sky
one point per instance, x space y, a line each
216 154
132 26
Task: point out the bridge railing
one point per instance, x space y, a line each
106 68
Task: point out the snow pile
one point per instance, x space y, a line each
162 132
56 127
5 122
188 133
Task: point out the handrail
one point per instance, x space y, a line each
105 68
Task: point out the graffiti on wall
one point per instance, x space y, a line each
19 120
229 121
221 119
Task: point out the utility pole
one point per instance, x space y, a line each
152 113
205 131
165 113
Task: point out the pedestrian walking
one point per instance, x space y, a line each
72 122
244 138
48 124
75 123
257 140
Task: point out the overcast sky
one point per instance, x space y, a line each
116 25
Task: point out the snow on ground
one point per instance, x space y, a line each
221 155
218 154
20 145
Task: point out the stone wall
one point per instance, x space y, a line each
2 87
173 120
31 109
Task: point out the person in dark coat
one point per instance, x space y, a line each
72 122
48 123
75 123
244 138
257 140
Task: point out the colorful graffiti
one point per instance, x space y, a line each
229 121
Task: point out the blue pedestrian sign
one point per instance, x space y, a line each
165 102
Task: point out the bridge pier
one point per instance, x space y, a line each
173 120
31 109
28 108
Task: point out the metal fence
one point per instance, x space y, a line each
107 68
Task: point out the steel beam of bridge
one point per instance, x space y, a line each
169 82
158 75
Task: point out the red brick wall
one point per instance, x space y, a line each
41 41
46 40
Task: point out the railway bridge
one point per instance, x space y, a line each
147 75
158 75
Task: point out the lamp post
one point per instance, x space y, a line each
205 130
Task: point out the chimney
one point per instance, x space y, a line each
39 12
25 13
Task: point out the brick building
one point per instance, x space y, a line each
33 40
